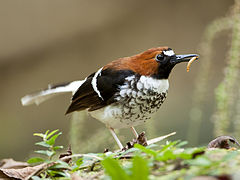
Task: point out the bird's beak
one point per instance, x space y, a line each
184 58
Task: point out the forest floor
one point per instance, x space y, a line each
167 161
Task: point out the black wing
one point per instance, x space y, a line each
108 82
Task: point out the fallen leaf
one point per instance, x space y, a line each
222 142
68 153
23 173
10 169
3 176
10 163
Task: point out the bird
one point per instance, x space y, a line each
124 93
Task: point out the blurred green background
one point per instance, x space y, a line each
44 42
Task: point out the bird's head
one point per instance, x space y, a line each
155 62
162 60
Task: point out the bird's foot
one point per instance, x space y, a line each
141 139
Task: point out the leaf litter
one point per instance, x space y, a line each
138 159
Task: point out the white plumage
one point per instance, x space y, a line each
94 83
127 112
38 98
169 52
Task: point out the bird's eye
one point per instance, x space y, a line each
159 57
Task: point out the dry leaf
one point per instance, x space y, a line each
68 153
23 173
3 176
222 142
11 169
10 163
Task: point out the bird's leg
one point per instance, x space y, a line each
134 132
115 137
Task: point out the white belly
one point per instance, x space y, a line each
112 117
136 102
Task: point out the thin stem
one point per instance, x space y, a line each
81 155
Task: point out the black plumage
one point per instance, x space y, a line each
108 84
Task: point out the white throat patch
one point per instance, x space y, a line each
155 85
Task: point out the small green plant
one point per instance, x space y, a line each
52 167
138 171
146 160
48 142
171 161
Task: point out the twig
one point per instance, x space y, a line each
81 155
155 140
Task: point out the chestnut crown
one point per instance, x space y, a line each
155 62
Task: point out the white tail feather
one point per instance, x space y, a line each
44 95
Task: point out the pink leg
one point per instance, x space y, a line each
134 132
115 137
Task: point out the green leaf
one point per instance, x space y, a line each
74 168
131 150
200 161
51 133
230 155
169 145
57 147
185 156
51 141
60 165
47 153
46 132
35 160
39 134
166 155
42 143
79 162
114 170
146 150
57 173
183 143
140 170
